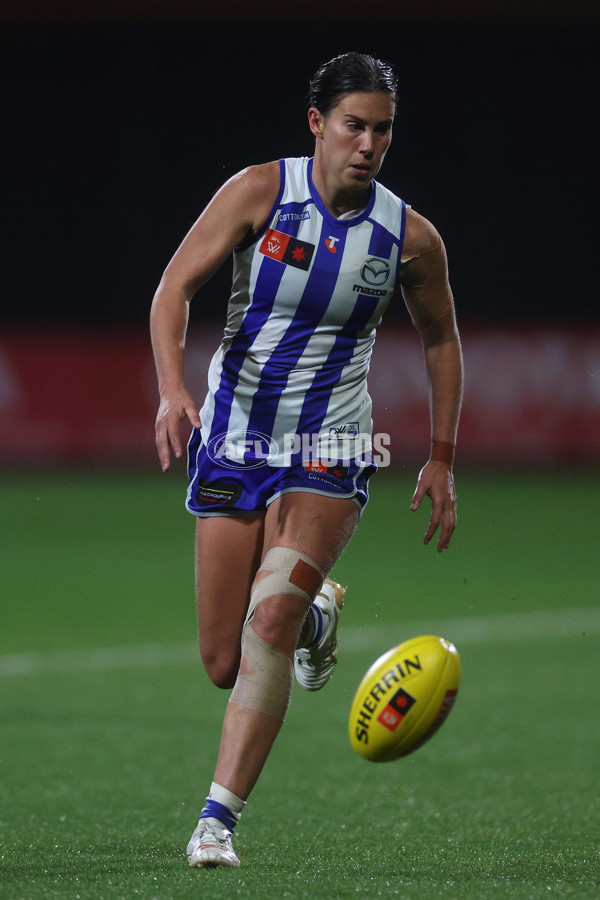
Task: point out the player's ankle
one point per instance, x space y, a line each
223 805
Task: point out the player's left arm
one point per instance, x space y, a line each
428 297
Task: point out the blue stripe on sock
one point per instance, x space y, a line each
317 624
216 810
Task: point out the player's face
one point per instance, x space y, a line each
353 138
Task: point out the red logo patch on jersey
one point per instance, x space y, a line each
315 465
286 249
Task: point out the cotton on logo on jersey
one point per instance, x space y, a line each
286 249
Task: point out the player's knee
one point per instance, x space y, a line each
220 666
283 590
278 620
285 572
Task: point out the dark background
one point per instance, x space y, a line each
123 119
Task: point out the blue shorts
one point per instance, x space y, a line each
215 490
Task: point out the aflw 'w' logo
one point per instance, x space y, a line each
287 249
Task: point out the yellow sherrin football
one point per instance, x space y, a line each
404 698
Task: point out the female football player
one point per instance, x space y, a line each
320 249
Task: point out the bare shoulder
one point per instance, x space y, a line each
262 175
256 180
252 192
420 237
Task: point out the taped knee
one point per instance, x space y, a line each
290 572
265 679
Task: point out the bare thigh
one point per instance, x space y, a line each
314 524
228 553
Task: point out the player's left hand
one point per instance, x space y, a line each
436 481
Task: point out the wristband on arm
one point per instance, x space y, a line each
442 451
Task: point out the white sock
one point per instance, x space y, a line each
227 798
313 624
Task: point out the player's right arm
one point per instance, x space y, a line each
236 212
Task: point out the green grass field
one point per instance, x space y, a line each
109 727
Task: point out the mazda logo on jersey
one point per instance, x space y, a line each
286 249
375 271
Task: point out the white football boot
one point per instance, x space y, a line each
314 665
210 846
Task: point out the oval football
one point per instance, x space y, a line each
404 698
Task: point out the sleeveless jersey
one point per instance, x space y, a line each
307 295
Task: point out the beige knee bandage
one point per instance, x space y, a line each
264 682
290 572
265 679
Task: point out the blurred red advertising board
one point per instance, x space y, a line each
81 397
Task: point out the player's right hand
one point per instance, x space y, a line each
172 410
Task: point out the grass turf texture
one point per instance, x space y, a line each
106 757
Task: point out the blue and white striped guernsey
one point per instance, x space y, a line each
308 293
